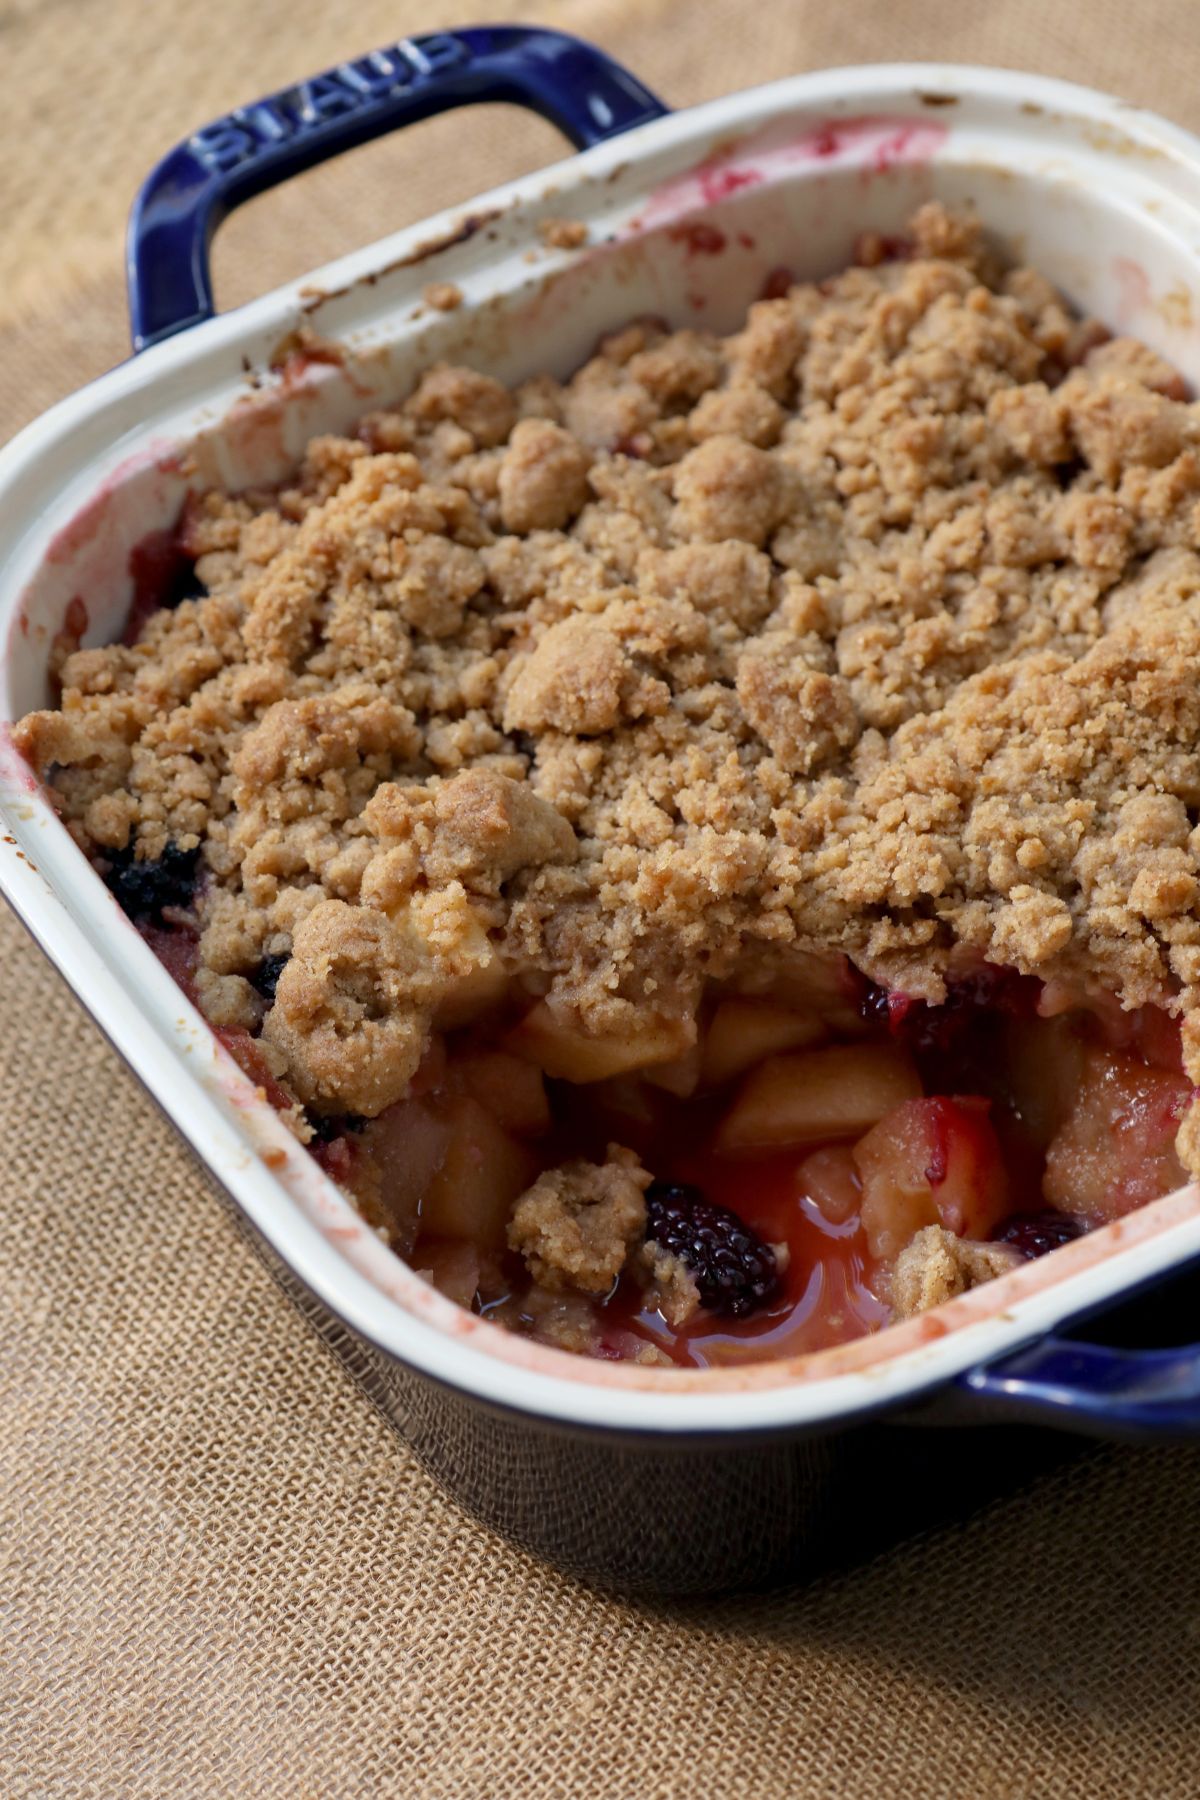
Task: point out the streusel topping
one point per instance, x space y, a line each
871 628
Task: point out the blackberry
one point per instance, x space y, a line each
883 1009
984 993
1033 1234
266 977
327 1126
143 888
733 1269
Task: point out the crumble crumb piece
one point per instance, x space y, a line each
936 1266
347 1013
576 1224
481 827
543 477
442 296
804 715
671 1286
581 680
727 488
562 234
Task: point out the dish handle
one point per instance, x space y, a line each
176 214
1094 1389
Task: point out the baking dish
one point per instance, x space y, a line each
622 1473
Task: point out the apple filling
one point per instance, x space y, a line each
772 1176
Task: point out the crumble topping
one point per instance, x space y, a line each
577 1223
871 628
937 1265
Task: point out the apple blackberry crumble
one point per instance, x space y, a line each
704 853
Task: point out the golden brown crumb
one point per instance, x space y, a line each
347 1013
576 1224
443 296
543 478
562 234
936 1266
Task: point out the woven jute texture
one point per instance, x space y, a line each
220 1572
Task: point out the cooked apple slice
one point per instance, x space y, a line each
680 1076
930 1162
1041 1063
804 981
406 1144
450 930
452 1268
815 1096
550 1037
743 1032
830 1179
626 1103
1116 1147
513 1090
480 1176
479 991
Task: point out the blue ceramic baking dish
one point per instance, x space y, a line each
643 1477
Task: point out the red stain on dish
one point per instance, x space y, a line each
300 356
700 238
255 430
718 183
159 457
75 619
165 459
877 142
1133 288
293 359
14 770
777 284
897 148
83 527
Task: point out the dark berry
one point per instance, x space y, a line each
733 1269
1033 1234
144 887
888 1008
986 991
328 1126
266 977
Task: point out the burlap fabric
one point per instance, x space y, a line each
220 1572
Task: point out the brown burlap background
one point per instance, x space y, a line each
220 1573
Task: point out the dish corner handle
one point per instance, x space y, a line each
183 201
1093 1389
